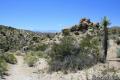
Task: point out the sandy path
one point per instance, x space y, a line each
112 56
20 71
112 50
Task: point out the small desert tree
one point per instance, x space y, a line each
104 24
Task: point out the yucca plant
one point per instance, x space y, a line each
105 22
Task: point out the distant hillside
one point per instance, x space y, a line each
115 27
114 30
15 39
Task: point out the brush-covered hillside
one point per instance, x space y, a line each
85 51
16 39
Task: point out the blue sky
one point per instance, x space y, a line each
54 15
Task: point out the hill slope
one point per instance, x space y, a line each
15 39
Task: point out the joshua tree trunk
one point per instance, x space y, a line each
105 42
105 23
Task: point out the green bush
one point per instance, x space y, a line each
118 41
76 33
89 53
3 66
62 53
10 58
118 52
30 59
69 55
39 47
35 38
43 47
39 54
91 29
74 28
66 32
90 44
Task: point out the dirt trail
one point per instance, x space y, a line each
112 50
112 59
19 71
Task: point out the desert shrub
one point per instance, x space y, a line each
30 59
3 66
35 38
66 47
74 28
90 46
39 54
10 58
118 52
43 47
42 54
118 41
69 55
66 32
91 29
76 33
62 54
39 47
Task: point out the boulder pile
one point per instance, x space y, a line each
84 24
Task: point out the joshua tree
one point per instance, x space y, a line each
104 24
